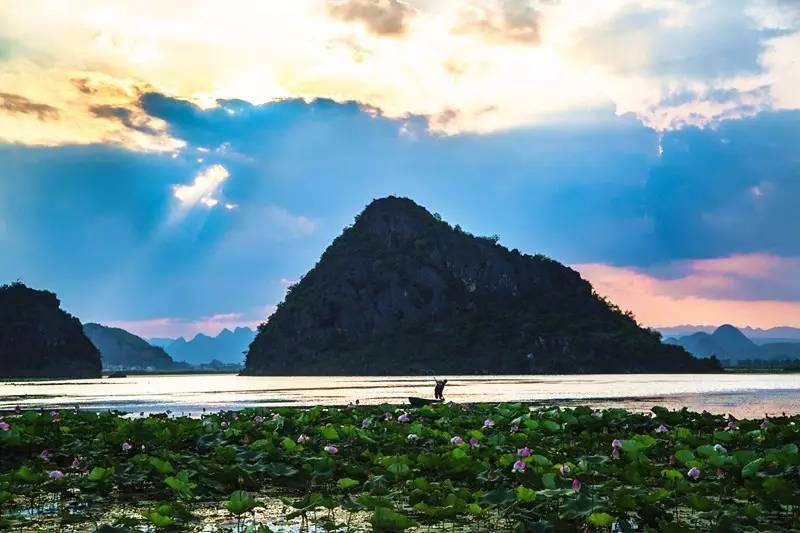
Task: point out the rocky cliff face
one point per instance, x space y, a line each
120 349
38 339
401 292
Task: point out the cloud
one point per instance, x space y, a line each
15 103
381 17
707 292
578 190
294 225
632 55
503 21
727 190
56 106
203 187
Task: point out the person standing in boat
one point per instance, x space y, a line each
438 390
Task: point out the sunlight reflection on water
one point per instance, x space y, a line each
739 394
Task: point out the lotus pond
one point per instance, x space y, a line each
506 467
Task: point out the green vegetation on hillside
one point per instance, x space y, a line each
402 292
120 349
39 339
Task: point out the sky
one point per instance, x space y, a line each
172 167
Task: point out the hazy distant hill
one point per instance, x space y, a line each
39 339
121 349
729 343
161 342
227 347
757 335
402 292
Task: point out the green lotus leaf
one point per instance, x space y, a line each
99 473
474 509
385 519
540 460
159 520
525 495
240 502
347 483
329 433
751 468
600 519
684 456
580 506
498 496
161 466
551 426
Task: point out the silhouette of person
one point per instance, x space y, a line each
438 390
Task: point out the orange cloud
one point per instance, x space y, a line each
689 299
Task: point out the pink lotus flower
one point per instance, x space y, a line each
488 423
387 416
576 485
76 463
662 429
456 440
4 426
616 446
518 467
694 473
404 418
258 419
56 474
732 424
44 455
331 449
126 446
524 452
303 438
564 470
474 442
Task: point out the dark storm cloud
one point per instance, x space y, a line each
123 115
585 191
505 21
731 189
381 17
15 103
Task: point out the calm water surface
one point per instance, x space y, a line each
750 395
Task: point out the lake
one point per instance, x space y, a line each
743 395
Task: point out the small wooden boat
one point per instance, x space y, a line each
419 402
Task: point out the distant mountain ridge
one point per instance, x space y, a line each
757 335
400 291
729 343
122 350
39 339
227 347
